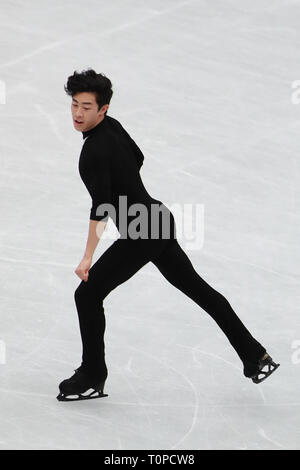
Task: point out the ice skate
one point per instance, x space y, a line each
260 374
81 387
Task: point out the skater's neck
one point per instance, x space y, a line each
97 127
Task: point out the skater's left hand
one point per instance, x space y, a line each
82 269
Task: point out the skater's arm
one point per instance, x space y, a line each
96 228
96 175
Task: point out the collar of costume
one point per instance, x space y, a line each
99 126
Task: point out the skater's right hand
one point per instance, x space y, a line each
82 269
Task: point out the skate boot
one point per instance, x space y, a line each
81 387
260 374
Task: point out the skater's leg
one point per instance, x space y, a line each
116 265
177 268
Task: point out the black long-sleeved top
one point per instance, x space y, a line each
109 166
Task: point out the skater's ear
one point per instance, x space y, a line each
103 109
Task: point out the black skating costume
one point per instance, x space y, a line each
109 166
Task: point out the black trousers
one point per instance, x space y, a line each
119 263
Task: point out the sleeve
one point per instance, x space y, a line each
99 186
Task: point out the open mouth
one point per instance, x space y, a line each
78 122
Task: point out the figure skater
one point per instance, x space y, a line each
109 166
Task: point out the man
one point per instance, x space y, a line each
109 166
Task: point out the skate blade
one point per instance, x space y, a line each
80 396
266 374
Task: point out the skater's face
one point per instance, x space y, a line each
85 111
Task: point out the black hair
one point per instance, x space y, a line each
90 81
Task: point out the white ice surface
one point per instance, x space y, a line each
205 89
